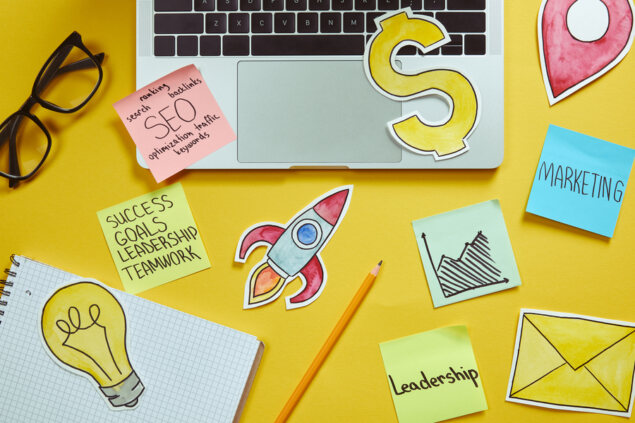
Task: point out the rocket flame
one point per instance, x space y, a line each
264 284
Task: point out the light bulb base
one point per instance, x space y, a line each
126 393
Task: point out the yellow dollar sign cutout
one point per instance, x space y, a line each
443 140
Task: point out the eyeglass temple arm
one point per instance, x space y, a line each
81 64
52 68
55 70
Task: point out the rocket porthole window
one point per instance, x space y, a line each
307 234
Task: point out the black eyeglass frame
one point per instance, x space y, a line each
47 73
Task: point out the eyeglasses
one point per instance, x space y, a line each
67 81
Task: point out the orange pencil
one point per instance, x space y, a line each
328 345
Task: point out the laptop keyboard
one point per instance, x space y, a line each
302 27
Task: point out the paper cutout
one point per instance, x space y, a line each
293 251
573 362
442 140
466 253
153 239
581 40
433 376
580 181
175 121
83 329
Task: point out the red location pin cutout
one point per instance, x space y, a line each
581 40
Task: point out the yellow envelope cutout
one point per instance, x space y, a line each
573 362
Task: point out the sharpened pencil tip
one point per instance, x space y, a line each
376 269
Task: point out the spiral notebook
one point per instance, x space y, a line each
192 370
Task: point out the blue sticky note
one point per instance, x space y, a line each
580 181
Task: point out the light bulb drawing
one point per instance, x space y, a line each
84 330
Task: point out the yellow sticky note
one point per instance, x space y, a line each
432 376
153 239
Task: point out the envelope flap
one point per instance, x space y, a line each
577 339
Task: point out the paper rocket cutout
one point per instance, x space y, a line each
293 250
581 40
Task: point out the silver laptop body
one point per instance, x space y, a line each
295 104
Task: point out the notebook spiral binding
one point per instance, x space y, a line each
4 283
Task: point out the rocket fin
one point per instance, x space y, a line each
314 277
253 237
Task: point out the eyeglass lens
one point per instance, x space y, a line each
69 78
31 143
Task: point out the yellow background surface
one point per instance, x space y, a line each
92 166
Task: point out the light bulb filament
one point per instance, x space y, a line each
89 340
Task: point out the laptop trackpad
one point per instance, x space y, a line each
316 112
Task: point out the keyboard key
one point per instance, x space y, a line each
236 45
178 23
164 46
407 51
466 4
276 45
210 45
365 5
342 4
239 23
249 4
261 23
353 22
475 44
455 40
172 5
284 22
187 46
451 50
227 5
370 21
462 21
454 47
216 23
307 22
434 4
430 14
204 5
273 5
413 4
388 4
330 23
319 5
296 4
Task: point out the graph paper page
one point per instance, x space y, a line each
193 370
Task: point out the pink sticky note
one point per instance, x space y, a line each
175 121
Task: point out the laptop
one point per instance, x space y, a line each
289 76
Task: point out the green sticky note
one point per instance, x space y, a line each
466 253
432 376
153 239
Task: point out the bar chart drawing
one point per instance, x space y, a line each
474 268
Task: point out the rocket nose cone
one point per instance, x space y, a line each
331 207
